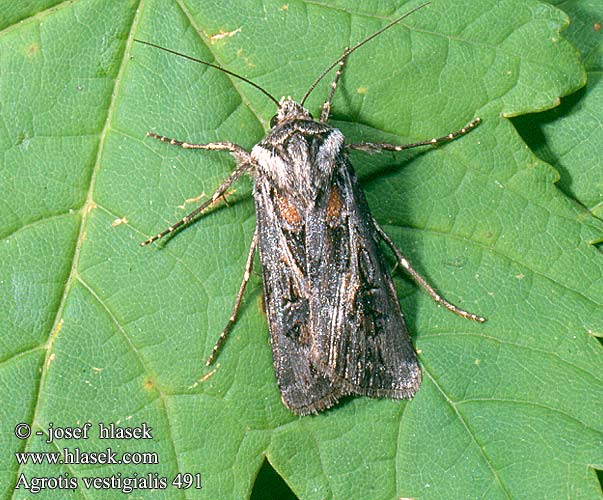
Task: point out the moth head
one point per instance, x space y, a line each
288 109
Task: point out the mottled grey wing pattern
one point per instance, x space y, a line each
304 385
366 344
335 322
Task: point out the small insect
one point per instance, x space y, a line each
336 327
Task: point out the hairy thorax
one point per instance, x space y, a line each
299 157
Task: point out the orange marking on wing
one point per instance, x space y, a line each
288 211
334 206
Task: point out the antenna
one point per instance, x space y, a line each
357 46
215 66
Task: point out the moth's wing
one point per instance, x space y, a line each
304 385
359 331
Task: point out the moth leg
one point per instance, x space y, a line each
375 147
237 151
240 170
326 107
421 281
233 316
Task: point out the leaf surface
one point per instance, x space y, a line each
98 329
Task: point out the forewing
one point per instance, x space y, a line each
358 329
304 385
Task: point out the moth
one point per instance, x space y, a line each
336 327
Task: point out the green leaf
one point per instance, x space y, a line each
98 329
571 136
